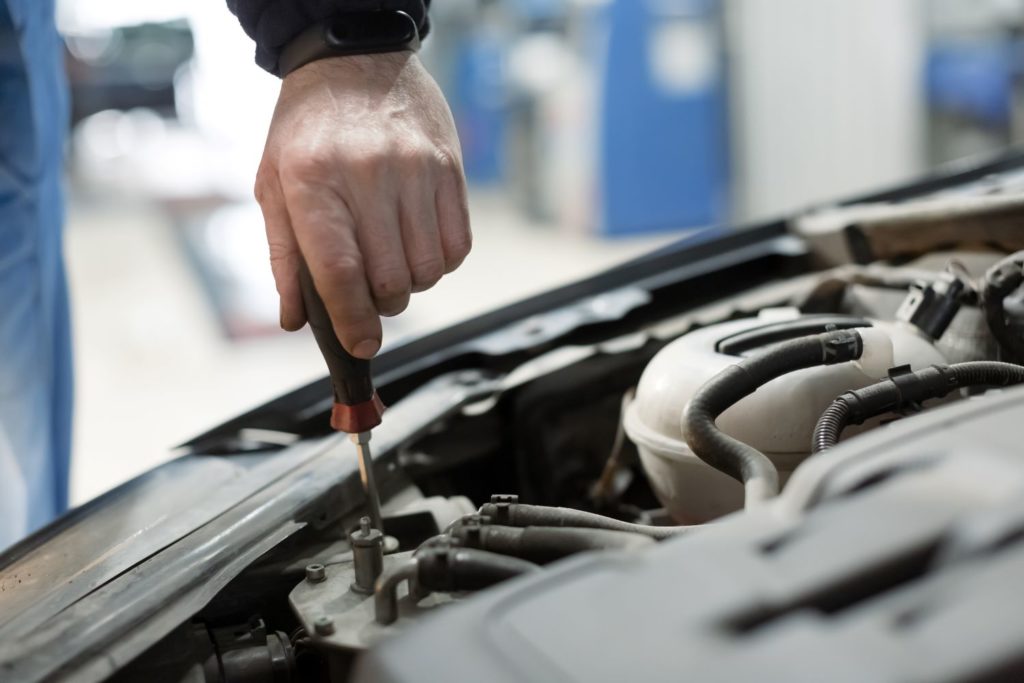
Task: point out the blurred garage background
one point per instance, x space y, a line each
593 130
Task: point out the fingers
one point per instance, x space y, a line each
365 261
420 237
453 217
380 239
284 251
325 231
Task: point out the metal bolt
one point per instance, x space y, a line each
315 573
367 556
502 504
473 529
510 498
324 626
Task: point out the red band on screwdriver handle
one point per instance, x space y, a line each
361 417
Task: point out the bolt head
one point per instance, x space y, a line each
504 499
315 573
324 626
366 536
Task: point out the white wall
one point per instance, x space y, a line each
827 98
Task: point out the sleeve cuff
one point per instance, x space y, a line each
271 36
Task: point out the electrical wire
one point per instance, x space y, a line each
907 391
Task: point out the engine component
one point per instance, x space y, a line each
509 511
851 590
932 306
735 458
473 553
777 420
542 544
385 597
348 617
864 233
250 655
445 568
367 556
452 569
907 390
1000 281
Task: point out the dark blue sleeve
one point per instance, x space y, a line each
272 23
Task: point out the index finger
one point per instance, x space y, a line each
325 231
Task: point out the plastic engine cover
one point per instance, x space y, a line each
869 567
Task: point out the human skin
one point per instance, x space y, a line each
362 176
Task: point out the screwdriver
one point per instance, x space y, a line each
357 408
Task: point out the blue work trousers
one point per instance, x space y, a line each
35 346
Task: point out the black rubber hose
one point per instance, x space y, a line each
1000 281
450 570
907 390
544 544
735 458
523 515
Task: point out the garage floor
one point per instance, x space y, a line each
153 364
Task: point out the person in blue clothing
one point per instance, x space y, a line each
361 175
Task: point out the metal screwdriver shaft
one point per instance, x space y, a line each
362 442
357 408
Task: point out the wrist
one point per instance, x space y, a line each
349 35
363 73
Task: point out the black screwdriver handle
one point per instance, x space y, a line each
350 376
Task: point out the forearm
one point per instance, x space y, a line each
272 23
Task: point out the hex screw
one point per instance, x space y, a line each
315 573
473 528
367 556
502 503
506 498
324 626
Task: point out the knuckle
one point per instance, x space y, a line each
343 271
456 254
304 168
283 266
279 251
263 184
417 156
461 244
454 264
427 272
390 283
259 189
282 251
446 160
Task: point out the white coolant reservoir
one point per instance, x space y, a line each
778 419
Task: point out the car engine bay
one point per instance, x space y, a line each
807 464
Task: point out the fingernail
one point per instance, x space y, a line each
366 349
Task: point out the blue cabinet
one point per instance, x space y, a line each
664 151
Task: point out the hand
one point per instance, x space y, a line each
362 174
